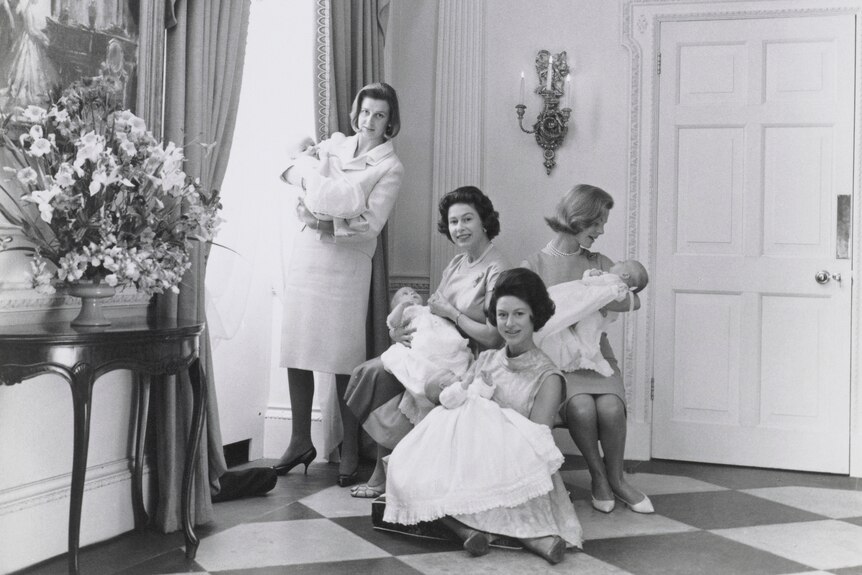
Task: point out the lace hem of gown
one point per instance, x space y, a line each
535 485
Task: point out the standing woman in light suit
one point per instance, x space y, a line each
328 272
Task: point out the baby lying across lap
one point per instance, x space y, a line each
437 356
579 302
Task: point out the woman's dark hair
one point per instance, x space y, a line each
580 208
378 91
525 285
482 204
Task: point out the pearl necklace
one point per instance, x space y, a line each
554 251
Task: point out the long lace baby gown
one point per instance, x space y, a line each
483 461
572 336
436 345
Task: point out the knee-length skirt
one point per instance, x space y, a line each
326 289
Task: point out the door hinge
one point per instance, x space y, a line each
651 388
658 64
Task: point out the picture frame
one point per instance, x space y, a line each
56 42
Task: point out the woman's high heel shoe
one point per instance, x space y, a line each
306 458
604 505
551 548
642 506
476 544
347 479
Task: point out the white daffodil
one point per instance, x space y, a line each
59 115
42 198
27 176
65 175
40 147
34 113
100 179
90 146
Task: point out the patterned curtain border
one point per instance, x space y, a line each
322 84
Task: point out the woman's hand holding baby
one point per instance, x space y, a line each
304 215
402 334
442 308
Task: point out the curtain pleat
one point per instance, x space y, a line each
355 39
205 51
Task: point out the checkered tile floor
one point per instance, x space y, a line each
709 520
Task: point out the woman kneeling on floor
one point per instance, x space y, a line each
484 462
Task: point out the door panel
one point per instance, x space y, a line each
755 145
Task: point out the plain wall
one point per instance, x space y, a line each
595 150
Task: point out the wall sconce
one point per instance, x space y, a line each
552 122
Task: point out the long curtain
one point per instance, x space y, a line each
351 35
205 51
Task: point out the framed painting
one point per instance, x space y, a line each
46 45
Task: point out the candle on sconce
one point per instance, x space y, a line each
567 102
550 78
523 89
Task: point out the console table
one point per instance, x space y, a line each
81 356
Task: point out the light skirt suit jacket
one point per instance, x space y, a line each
327 277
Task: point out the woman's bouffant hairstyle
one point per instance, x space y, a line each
482 204
525 285
378 91
582 206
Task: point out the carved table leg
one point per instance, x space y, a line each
82 394
141 518
199 391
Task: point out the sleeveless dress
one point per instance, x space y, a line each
484 462
555 269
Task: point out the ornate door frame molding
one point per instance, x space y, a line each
640 33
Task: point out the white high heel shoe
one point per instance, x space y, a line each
642 506
604 505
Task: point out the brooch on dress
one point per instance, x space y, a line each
479 278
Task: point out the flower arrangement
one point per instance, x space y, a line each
103 200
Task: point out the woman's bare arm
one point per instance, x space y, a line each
547 402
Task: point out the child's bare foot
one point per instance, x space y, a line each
551 548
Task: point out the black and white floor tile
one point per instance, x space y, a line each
709 520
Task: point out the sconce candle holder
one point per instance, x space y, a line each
552 122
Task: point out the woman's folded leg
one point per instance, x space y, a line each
370 386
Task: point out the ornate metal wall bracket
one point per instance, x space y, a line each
552 122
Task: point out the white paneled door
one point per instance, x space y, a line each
755 170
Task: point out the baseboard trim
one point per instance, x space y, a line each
44 491
283 412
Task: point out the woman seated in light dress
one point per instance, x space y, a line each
485 462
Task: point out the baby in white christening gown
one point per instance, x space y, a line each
571 338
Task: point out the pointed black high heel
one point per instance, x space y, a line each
306 458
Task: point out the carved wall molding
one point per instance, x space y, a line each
459 109
421 284
26 298
44 491
640 23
